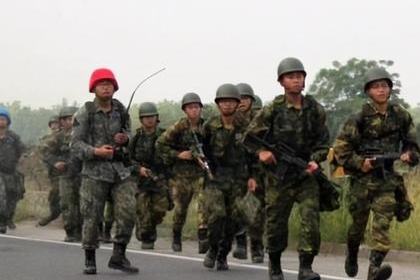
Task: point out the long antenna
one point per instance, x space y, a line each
142 82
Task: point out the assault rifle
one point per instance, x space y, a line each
198 154
381 159
329 191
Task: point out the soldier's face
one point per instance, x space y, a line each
192 110
227 106
293 82
3 122
54 126
379 91
245 104
149 122
66 123
104 90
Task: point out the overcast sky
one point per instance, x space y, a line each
50 47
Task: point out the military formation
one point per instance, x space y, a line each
247 158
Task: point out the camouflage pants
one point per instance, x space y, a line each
69 204
9 197
54 198
256 230
151 209
279 200
109 211
220 198
93 195
382 203
183 190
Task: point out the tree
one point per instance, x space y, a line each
340 89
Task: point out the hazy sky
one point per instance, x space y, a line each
50 47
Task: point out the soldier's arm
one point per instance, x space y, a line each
259 126
80 134
409 140
49 149
165 144
321 147
345 145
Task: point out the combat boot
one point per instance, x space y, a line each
210 258
241 248
203 241
147 241
176 241
274 266
3 229
305 267
90 262
257 251
45 221
119 261
106 236
350 264
376 271
222 262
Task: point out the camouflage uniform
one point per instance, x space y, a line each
101 177
152 199
304 131
53 194
367 130
188 176
11 185
56 149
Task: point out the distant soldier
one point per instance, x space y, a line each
230 166
153 199
53 176
247 112
298 121
387 130
257 104
178 148
11 181
56 152
100 133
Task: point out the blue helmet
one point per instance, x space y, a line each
5 113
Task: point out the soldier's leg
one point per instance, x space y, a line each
256 232
158 206
183 193
383 205
3 205
123 196
202 217
279 203
359 208
69 201
13 197
144 221
310 239
92 202
108 221
53 202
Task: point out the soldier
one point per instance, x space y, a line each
56 152
257 104
11 185
298 121
379 126
229 165
178 148
153 199
100 134
247 111
53 176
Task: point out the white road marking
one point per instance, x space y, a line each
195 259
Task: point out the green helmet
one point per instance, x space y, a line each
189 98
257 105
245 90
67 112
53 119
227 91
147 109
289 65
376 74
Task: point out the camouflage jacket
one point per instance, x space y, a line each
11 149
223 148
304 130
247 116
143 154
177 138
52 171
56 148
97 128
370 130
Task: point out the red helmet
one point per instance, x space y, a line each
102 74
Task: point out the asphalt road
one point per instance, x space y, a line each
24 258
